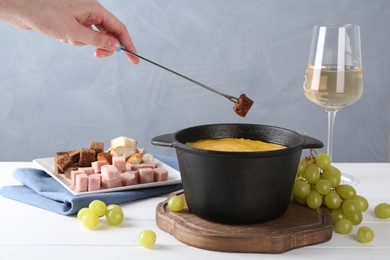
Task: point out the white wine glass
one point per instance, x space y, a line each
334 76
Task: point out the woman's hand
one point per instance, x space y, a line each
77 22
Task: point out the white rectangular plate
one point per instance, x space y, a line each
47 164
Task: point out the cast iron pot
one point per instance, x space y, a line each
238 187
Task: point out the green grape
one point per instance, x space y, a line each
82 212
303 163
175 203
312 173
346 191
98 207
333 175
365 234
114 216
147 238
301 188
314 199
350 207
332 200
382 210
323 186
362 202
300 200
323 160
343 226
356 218
113 206
292 196
90 220
337 214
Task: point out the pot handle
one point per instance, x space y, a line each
166 140
310 142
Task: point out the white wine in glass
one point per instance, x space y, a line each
334 77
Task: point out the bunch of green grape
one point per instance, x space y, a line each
89 216
318 184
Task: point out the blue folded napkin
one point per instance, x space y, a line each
41 190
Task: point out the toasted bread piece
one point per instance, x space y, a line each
74 155
135 158
97 146
148 158
124 151
62 161
56 158
87 156
70 168
105 156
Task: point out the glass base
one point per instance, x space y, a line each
348 179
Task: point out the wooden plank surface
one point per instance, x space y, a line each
298 227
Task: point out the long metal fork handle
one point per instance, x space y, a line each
231 98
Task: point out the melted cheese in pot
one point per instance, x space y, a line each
235 145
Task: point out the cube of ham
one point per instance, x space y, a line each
110 172
129 167
99 175
119 162
130 178
146 175
160 174
113 183
87 170
94 182
81 182
97 165
73 174
143 165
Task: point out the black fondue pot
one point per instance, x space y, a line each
238 187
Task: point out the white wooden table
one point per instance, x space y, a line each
27 232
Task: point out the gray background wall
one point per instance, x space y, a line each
56 97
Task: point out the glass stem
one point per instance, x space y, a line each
331 119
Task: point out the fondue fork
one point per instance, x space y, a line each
242 104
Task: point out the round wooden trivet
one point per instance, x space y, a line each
298 227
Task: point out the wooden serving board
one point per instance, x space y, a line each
299 226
